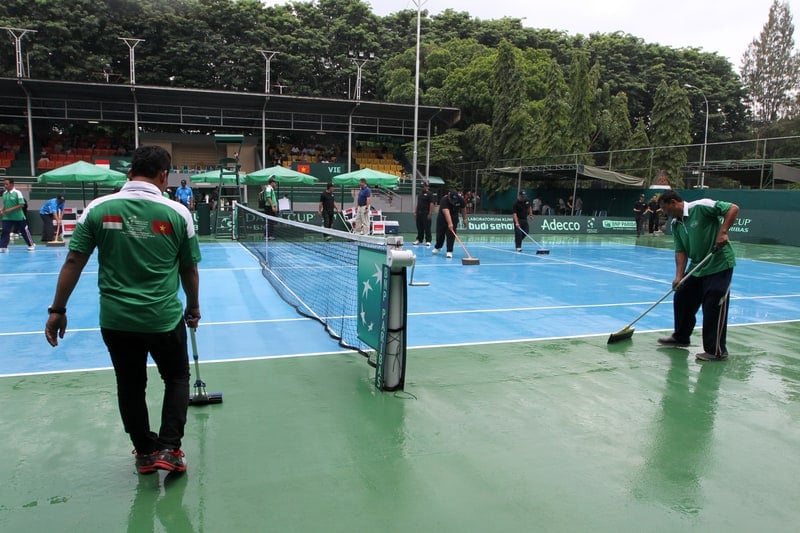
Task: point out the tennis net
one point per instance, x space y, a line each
314 269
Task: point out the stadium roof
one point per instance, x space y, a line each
199 108
571 171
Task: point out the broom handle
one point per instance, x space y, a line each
461 243
531 238
692 271
194 353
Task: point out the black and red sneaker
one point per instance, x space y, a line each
145 462
170 460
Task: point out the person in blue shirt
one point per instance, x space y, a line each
51 210
363 201
184 195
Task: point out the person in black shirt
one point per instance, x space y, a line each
639 209
521 211
449 207
327 206
422 214
654 210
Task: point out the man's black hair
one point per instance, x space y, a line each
148 161
669 196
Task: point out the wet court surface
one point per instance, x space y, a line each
517 431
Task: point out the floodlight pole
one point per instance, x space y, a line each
268 55
419 4
359 61
131 42
705 135
17 34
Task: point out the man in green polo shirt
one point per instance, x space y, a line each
14 216
147 247
698 229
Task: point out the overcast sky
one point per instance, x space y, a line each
723 26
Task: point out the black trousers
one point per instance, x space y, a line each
327 218
443 234
128 352
518 235
48 230
653 223
423 227
708 292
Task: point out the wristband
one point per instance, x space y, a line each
57 310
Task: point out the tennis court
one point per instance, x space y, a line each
516 413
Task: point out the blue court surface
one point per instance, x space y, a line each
579 289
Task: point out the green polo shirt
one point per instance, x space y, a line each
696 233
11 199
142 240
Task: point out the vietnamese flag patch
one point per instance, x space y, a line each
162 227
304 168
112 222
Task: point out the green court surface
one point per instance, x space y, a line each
558 435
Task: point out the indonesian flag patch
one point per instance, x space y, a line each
162 227
112 222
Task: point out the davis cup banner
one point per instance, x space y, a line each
541 224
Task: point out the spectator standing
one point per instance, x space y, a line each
327 206
578 206
362 207
140 269
536 206
639 209
699 228
14 216
185 195
270 206
449 207
51 210
521 211
423 215
655 211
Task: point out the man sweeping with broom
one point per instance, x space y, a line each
52 210
700 229
449 207
521 211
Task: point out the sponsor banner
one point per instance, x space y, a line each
580 225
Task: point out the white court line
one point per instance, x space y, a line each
204 362
202 324
577 306
95 272
410 348
568 337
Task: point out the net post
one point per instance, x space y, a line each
390 367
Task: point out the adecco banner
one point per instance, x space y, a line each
580 225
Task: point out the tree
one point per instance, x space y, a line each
616 126
553 115
771 68
582 92
510 121
669 130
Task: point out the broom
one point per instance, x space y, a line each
542 250
627 331
56 241
200 396
469 260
